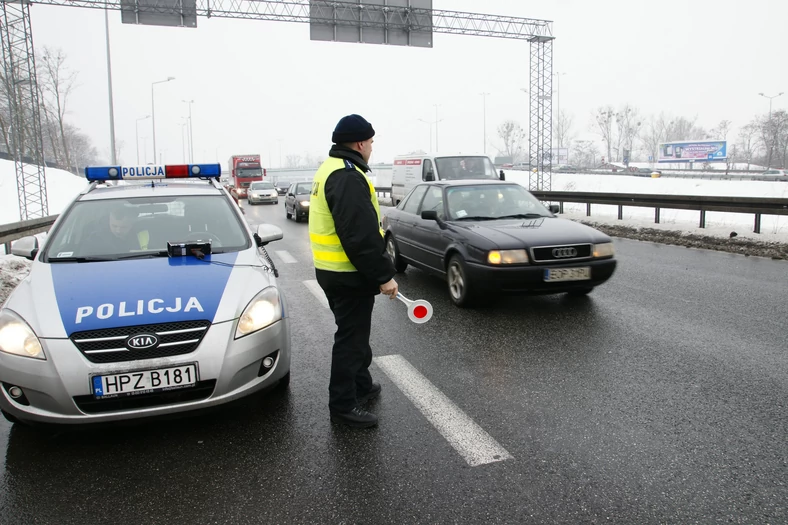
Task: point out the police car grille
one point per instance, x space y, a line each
108 345
564 253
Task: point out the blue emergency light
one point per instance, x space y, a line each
176 171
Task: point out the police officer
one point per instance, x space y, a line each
351 264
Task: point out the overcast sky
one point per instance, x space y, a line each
261 87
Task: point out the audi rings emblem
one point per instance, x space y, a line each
563 253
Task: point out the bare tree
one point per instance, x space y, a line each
585 153
603 121
57 84
512 136
773 134
562 130
748 143
82 150
722 130
628 123
682 128
293 160
654 134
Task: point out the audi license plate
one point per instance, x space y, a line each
567 274
144 381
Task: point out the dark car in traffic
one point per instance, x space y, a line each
490 238
281 186
297 201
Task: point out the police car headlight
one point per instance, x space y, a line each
305 204
16 337
264 310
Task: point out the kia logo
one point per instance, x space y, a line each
142 341
562 253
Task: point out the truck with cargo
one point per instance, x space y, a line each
244 170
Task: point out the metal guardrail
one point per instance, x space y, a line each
17 230
756 205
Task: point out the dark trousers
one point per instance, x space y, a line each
351 354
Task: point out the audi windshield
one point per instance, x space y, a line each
493 202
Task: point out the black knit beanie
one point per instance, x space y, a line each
352 128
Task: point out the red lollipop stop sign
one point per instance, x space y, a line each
419 311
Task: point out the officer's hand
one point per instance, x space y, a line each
390 288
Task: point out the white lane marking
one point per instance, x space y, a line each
285 257
317 291
475 445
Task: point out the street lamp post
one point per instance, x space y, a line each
436 128
137 136
153 112
109 87
769 161
191 133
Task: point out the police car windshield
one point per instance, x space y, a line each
303 188
453 168
262 186
118 228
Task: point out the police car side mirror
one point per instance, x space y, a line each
267 233
429 215
430 176
502 175
554 208
26 247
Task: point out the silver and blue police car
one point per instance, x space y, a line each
146 298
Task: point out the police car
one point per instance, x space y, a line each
146 298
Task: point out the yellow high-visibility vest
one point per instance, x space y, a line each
327 252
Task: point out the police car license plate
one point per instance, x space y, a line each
144 381
567 274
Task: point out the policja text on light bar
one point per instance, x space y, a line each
175 171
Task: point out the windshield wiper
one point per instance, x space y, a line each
523 216
146 255
476 218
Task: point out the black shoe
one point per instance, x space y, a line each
372 394
357 417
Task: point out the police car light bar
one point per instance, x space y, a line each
176 171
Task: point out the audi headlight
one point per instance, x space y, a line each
507 257
264 310
604 250
17 338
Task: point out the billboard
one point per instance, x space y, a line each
695 151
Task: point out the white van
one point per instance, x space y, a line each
410 170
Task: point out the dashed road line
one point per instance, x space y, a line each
475 445
285 256
313 287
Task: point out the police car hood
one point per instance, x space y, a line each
62 298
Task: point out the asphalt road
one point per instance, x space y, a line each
660 398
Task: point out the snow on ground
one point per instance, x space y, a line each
774 228
61 186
